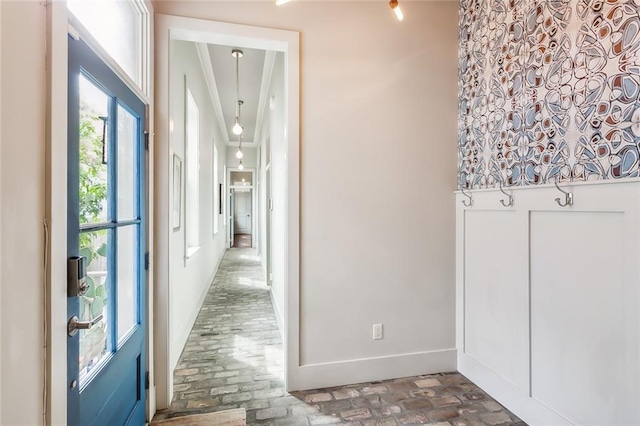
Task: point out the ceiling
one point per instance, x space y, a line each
252 87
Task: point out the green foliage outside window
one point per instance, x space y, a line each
93 246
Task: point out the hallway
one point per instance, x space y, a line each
234 359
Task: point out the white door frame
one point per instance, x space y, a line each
254 200
198 30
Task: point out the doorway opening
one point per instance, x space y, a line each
282 49
242 227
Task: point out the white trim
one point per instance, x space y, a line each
507 393
563 185
191 251
215 193
146 30
317 376
56 209
254 199
142 90
202 31
292 255
276 308
161 372
1 210
251 170
148 76
191 203
185 332
265 85
225 195
209 76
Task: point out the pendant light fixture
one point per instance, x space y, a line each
237 128
239 154
393 4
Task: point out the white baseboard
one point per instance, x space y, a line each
517 400
278 313
315 376
181 340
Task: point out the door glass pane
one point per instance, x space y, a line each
127 280
94 342
94 133
127 149
117 26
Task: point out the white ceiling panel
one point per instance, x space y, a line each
251 66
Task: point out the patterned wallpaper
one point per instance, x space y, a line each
548 88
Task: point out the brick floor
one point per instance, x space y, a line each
233 358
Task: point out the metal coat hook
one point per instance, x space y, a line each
464 202
568 196
508 203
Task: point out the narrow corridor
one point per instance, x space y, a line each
234 359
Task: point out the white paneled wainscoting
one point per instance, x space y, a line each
547 301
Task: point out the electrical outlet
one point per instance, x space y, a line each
377 331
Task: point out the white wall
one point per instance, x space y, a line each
22 196
378 103
191 279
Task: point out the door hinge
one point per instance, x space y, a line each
146 261
146 380
146 140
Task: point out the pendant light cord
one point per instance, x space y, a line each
237 127
238 87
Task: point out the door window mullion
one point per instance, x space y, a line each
113 217
112 265
140 157
90 227
112 162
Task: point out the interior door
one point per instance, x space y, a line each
269 210
106 226
243 212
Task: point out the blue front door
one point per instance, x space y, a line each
106 352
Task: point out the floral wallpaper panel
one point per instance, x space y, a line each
548 89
